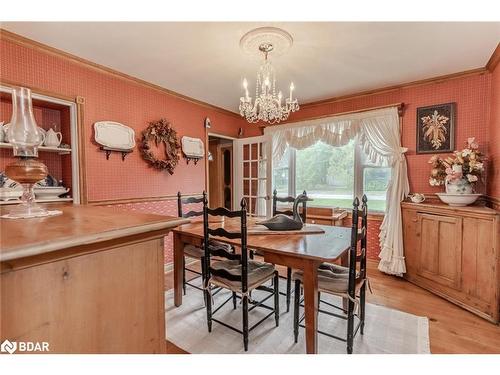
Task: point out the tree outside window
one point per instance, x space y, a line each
332 176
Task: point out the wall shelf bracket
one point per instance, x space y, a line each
109 150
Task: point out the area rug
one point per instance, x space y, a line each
386 330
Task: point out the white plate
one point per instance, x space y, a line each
192 147
49 192
114 135
7 194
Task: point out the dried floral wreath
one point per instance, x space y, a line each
161 132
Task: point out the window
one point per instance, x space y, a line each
332 176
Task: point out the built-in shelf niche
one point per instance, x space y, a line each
62 163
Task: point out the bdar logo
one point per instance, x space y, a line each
8 347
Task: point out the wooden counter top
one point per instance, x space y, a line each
472 209
78 225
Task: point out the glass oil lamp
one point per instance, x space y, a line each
25 138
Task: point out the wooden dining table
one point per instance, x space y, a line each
298 251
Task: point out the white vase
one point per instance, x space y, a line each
462 186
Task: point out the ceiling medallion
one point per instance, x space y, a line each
268 106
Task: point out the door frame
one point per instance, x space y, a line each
209 134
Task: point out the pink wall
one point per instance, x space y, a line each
494 185
473 98
109 97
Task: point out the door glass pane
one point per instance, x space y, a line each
246 152
252 206
326 173
255 171
254 187
254 148
246 187
246 169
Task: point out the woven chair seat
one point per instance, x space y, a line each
335 268
329 281
258 273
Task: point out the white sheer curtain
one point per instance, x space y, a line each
379 136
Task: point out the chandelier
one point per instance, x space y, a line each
268 106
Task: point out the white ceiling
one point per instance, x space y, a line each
203 60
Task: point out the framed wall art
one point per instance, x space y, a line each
436 128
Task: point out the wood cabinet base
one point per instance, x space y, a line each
454 253
109 299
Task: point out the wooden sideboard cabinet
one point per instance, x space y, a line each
326 216
454 252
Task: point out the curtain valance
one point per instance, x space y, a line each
379 137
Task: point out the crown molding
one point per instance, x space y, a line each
421 82
20 40
494 59
30 43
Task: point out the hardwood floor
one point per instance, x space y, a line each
451 328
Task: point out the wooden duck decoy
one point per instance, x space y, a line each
284 222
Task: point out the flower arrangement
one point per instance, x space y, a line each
466 164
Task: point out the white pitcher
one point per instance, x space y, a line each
52 138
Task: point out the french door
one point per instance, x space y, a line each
253 174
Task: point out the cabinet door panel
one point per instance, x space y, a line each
440 249
110 301
478 259
411 234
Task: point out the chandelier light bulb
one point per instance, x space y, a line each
245 83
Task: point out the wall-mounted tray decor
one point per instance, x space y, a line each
114 137
193 149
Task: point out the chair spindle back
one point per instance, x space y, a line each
189 200
221 232
358 237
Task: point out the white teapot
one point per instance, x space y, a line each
52 138
417 197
